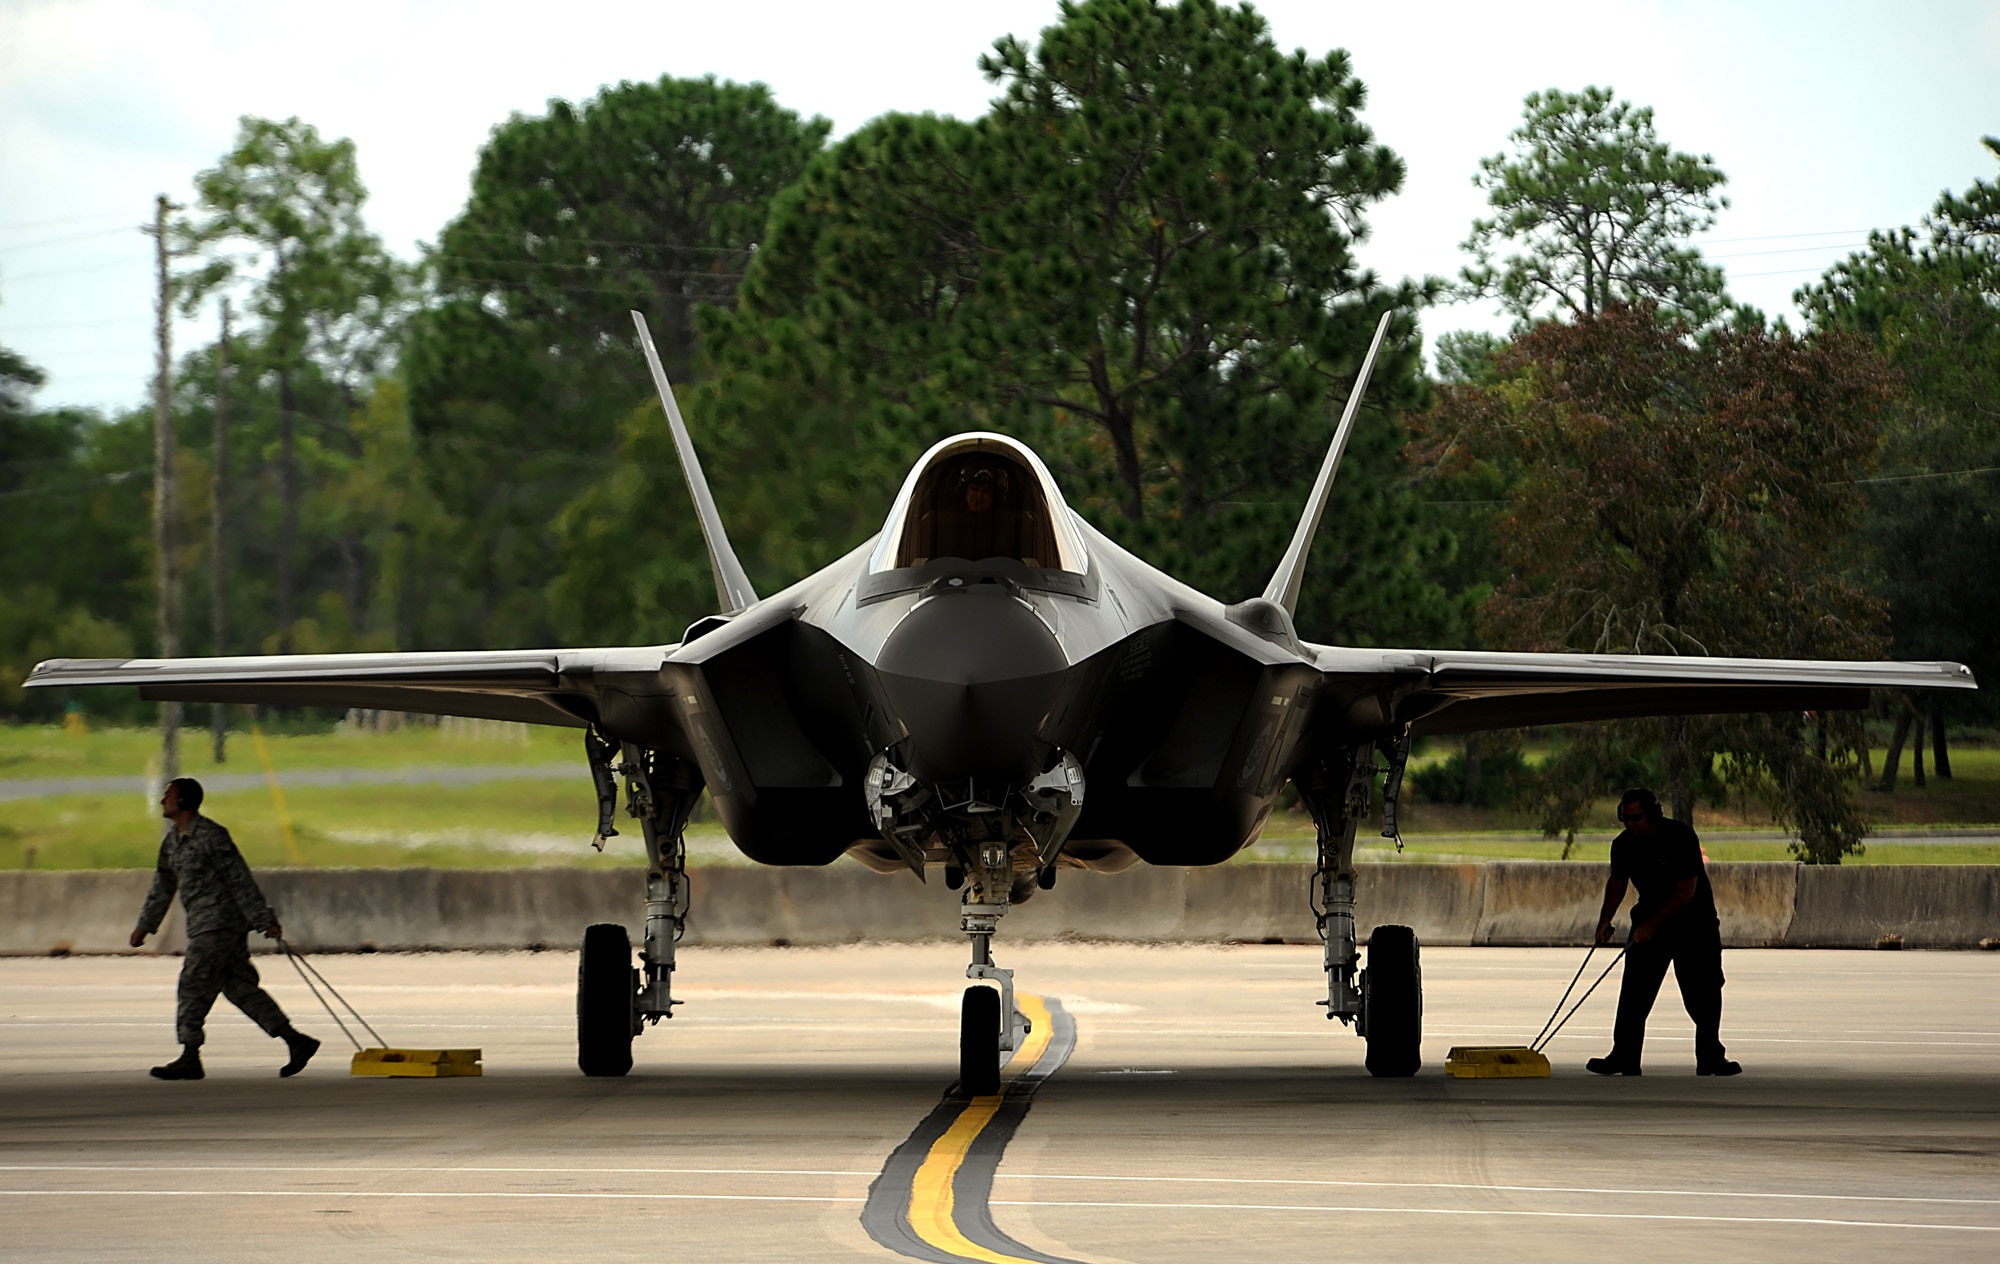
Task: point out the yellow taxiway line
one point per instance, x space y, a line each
931 1198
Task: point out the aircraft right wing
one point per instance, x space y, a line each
561 687
1466 691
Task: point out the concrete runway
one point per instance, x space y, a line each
1208 1112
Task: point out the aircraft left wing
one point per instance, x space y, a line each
1466 691
532 686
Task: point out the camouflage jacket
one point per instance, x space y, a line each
218 895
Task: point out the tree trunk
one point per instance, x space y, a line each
1126 447
167 612
218 568
1940 753
1124 442
1469 792
354 576
1895 753
288 514
1680 771
1917 724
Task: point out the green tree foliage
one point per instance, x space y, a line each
1682 497
1596 210
1465 356
281 213
1929 298
650 197
1458 502
73 514
373 543
1141 260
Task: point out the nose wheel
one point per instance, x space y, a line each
978 1042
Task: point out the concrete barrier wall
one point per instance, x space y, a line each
1853 908
1503 903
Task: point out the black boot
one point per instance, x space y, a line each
185 1067
302 1047
1613 1065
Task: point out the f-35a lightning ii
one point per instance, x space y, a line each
992 688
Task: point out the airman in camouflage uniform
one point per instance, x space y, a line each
221 905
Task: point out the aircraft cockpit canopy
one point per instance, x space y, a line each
979 497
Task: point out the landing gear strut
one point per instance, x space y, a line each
614 1002
990 1029
998 842
1384 1003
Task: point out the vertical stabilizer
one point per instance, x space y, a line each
1284 585
732 585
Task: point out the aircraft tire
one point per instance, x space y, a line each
979 1042
607 990
1392 1000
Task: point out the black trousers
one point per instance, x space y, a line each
1695 952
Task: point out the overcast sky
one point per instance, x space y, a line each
1829 118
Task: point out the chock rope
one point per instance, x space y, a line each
1548 1033
300 964
1536 1043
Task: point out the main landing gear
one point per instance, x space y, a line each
1385 1002
615 1001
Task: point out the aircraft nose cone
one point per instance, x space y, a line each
972 675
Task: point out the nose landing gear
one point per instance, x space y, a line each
999 843
990 1029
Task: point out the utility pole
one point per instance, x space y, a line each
218 569
169 612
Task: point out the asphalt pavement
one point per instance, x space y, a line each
1179 1103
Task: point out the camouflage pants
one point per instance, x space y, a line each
220 965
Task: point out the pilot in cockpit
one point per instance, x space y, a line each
979 491
978 507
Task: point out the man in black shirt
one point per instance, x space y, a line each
1673 923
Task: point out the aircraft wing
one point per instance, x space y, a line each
1465 691
532 686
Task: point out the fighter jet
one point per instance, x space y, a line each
991 688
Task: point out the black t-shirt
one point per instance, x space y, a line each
1659 863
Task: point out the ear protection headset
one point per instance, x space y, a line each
190 793
1644 798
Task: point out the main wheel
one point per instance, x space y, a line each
979 1042
1392 1002
607 1001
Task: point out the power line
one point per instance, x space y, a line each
63 241
1832 232
603 266
50 489
563 239
1915 478
27 225
62 272
1790 250
1745 276
14 330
